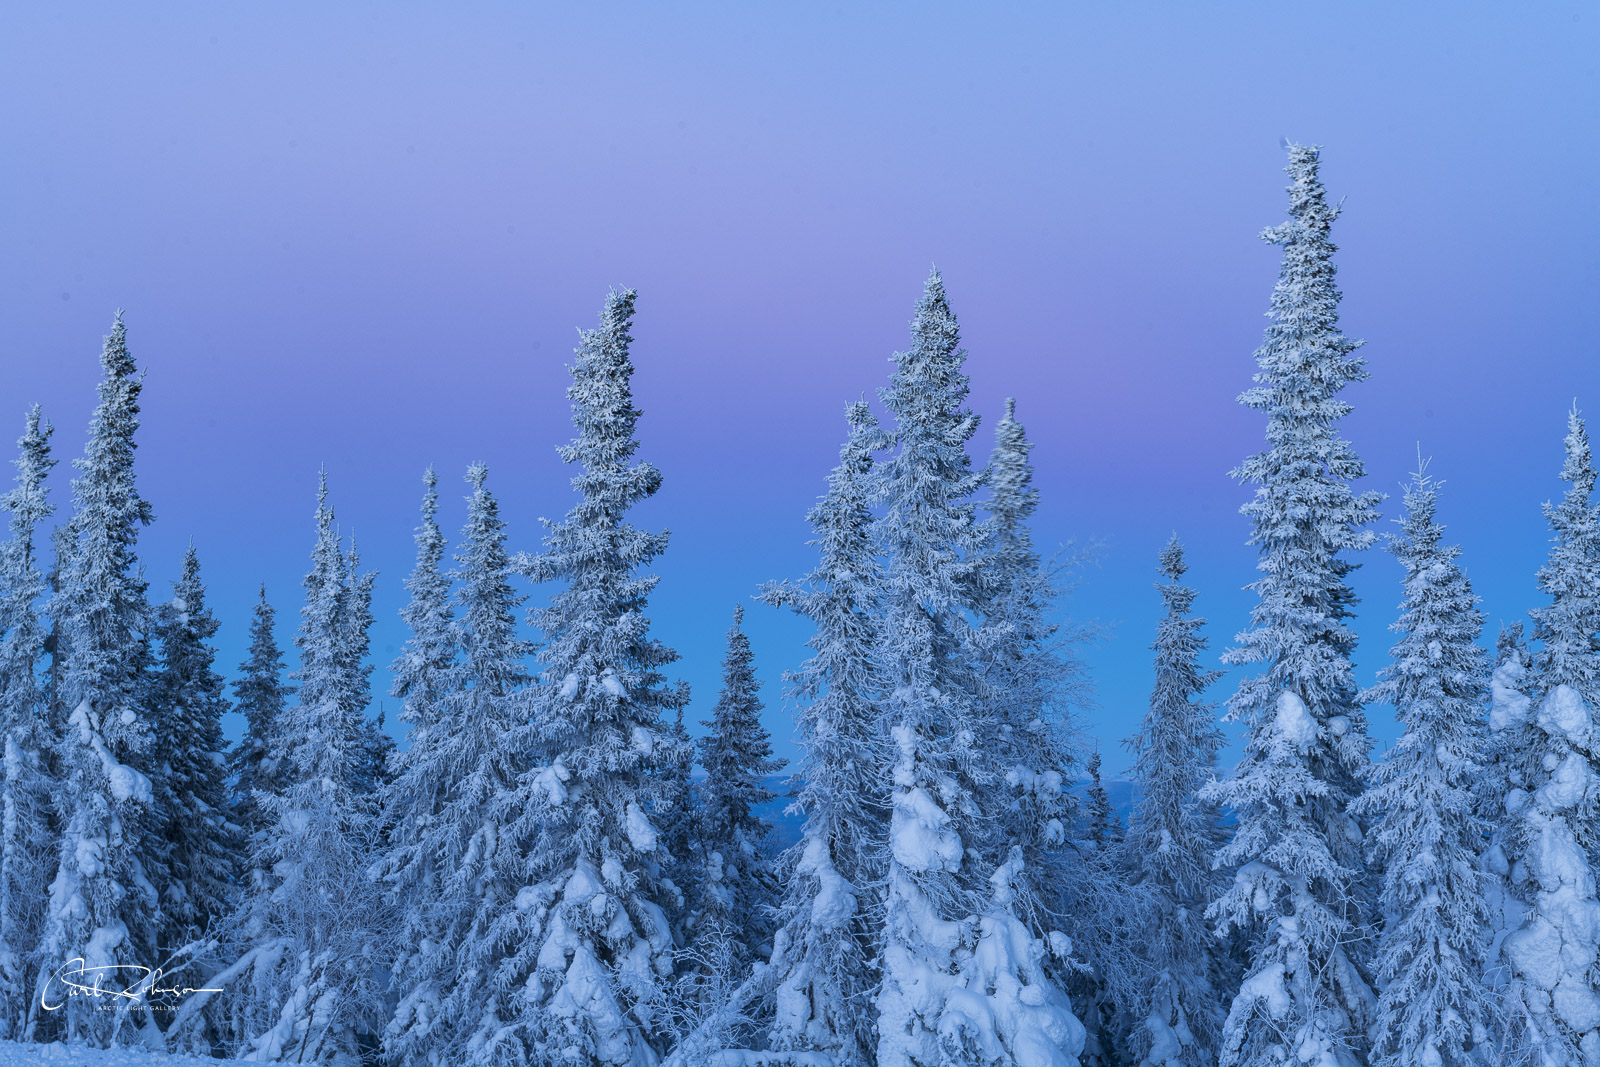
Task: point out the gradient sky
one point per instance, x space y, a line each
362 236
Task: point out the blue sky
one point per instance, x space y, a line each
363 237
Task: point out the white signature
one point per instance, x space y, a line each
78 979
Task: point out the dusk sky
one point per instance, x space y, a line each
362 236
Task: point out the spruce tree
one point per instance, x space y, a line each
1299 893
1028 674
1510 768
414 799
27 792
824 953
1426 834
597 932
377 745
102 905
309 941
1553 1011
260 695
739 889
198 840
955 956
455 865
1172 834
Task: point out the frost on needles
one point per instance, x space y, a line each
1427 832
1300 891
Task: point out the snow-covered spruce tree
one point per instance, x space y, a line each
357 643
738 887
1028 673
260 695
308 943
454 866
596 934
824 953
1105 976
196 838
1299 893
27 793
1510 764
1426 834
1552 1007
962 979
1100 816
102 906
413 799
1172 835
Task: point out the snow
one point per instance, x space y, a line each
640 832
13 1054
920 834
1568 785
1294 722
835 901
125 782
551 781
1510 706
1564 713
1266 985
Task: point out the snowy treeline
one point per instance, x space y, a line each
537 875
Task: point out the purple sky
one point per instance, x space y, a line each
362 236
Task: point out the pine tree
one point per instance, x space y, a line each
1299 892
598 932
260 695
27 793
824 950
102 905
1172 834
739 888
955 956
1552 1007
455 864
198 840
1426 834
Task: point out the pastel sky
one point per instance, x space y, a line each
362 235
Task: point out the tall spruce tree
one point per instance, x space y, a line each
1510 768
260 694
1426 833
377 745
824 953
1172 835
198 841
27 794
739 887
414 799
1300 893
455 866
598 933
310 940
102 905
1028 673
957 964
1552 1009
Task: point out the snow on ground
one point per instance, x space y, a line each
14 1055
